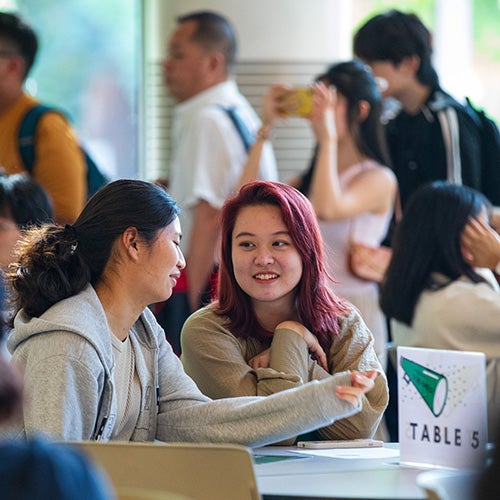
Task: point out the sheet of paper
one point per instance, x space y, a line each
350 453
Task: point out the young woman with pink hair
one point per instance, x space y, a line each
276 324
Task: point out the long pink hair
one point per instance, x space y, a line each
317 306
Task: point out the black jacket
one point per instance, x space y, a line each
419 153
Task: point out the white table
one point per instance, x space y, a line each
316 477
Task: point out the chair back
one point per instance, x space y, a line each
196 471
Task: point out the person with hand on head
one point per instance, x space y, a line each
96 363
433 293
211 120
276 323
59 165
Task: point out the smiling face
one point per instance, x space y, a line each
163 262
267 266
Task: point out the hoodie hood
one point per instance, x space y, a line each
85 318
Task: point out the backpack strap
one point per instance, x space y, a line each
445 108
27 133
451 136
247 138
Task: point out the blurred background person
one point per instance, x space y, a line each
423 136
59 162
208 150
23 203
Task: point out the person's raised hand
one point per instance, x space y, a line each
322 118
361 383
272 104
480 244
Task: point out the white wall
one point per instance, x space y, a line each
297 30
280 41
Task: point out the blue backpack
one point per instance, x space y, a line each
26 137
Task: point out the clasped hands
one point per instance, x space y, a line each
361 382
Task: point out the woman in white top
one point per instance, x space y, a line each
349 187
433 294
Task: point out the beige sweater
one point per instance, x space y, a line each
218 363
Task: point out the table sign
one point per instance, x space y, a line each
442 407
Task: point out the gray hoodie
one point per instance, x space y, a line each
67 359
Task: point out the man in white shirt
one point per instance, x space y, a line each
208 151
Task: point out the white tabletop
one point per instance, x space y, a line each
313 477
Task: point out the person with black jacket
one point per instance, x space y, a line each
433 136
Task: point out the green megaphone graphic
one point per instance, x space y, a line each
432 386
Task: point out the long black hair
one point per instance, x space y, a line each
426 241
355 82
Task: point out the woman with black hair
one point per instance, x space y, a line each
433 295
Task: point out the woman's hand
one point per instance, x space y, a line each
361 383
480 244
261 360
323 118
369 263
272 104
310 339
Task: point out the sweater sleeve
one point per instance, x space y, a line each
218 361
185 414
352 350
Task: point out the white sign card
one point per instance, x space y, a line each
442 407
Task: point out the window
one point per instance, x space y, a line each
89 65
